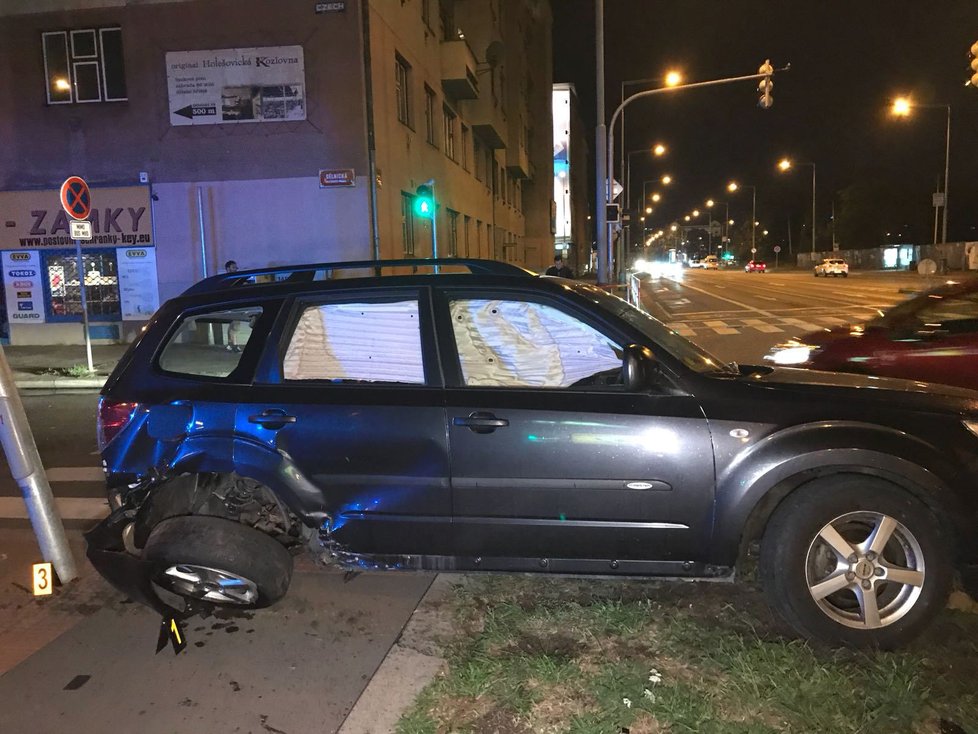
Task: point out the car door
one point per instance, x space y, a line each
936 343
551 457
351 395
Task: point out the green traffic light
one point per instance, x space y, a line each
422 207
424 202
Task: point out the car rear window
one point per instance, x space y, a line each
210 344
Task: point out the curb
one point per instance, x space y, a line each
413 661
60 383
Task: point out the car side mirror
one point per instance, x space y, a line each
639 368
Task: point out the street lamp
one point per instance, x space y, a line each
667 179
902 107
656 197
734 186
785 165
648 210
696 212
673 79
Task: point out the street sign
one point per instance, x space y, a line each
938 200
76 199
777 249
337 177
80 229
753 251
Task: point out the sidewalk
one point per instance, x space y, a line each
48 367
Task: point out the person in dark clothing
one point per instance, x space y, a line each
559 269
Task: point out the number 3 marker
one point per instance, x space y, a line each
42 579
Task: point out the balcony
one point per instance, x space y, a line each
458 66
487 120
517 161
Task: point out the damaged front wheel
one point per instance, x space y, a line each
219 561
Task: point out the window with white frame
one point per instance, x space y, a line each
84 65
450 119
465 147
429 114
452 233
407 223
402 89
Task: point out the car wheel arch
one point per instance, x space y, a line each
743 511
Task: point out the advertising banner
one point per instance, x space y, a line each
139 291
22 287
35 219
236 85
562 194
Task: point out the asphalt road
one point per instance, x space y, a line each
739 316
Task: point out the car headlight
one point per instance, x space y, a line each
971 426
791 353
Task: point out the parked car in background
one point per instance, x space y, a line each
833 266
755 266
483 418
696 263
932 338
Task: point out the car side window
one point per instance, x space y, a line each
956 314
209 344
357 342
512 343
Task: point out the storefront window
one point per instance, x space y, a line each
101 285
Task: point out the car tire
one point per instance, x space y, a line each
798 564
816 273
845 275
218 561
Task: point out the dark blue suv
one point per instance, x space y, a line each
468 415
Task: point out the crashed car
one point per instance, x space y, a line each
469 415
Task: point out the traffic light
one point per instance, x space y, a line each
766 85
973 81
424 202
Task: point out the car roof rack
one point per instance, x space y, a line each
323 271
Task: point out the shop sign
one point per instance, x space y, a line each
22 286
139 291
232 85
35 219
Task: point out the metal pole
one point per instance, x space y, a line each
601 160
753 219
434 222
813 208
84 304
203 237
27 470
947 163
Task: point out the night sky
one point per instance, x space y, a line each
848 60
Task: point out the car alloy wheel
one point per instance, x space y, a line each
865 570
211 584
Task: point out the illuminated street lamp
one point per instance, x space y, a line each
696 212
673 78
734 186
659 150
648 210
656 197
902 107
785 165
667 179
686 218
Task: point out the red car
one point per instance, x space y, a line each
755 266
932 337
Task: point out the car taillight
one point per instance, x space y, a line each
113 415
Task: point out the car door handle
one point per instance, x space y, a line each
272 419
480 422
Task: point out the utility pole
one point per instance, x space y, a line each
601 162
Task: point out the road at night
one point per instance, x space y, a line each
738 316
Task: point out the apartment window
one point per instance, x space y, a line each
84 66
466 236
426 12
429 114
479 160
465 147
402 88
449 118
407 222
452 233
478 238
491 171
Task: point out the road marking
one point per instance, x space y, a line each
725 331
70 508
806 325
75 474
761 326
728 300
768 298
715 324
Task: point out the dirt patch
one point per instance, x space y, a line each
646 723
556 705
452 713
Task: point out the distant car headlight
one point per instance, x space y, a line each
791 353
971 426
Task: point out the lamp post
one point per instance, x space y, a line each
902 106
606 159
785 165
658 150
734 186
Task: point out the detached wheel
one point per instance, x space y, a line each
855 561
219 561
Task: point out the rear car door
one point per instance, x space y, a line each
551 457
351 394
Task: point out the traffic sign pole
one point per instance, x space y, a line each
76 200
84 304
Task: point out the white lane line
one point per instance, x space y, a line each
724 331
761 326
728 300
686 332
70 508
768 298
75 474
807 326
716 324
